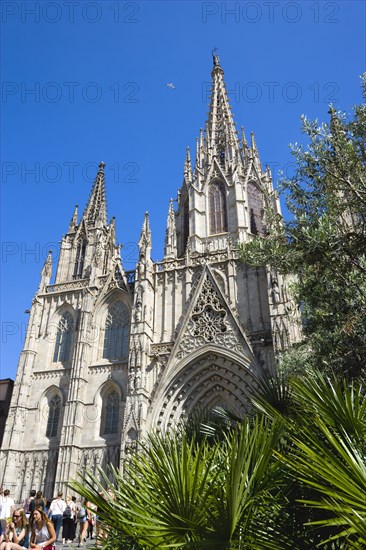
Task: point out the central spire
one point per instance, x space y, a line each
96 209
220 140
221 134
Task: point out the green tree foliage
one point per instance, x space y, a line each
196 495
291 476
329 457
324 451
324 242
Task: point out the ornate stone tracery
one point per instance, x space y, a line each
209 324
209 317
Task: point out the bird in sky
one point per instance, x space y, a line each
171 85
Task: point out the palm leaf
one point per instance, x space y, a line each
329 455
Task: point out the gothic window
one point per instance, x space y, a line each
64 338
116 331
110 416
255 206
217 208
79 259
54 411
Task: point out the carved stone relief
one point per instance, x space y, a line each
209 323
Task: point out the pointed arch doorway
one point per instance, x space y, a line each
207 381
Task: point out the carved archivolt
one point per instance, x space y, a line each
209 380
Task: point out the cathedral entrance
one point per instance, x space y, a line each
211 380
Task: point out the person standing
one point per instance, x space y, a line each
27 502
75 519
83 517
91 520
68 520
37 501
57 509
6 507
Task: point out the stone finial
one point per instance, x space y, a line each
74 220
215 58
46 273
243 138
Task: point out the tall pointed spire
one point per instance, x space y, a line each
145 237
171 234
221 134
220 140
255 153
46 273
74 220
188 166
96 209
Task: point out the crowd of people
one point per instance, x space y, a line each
38 522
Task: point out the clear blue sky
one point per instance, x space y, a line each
98 71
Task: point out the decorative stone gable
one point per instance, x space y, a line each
210 321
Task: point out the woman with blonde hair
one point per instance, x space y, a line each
18 533
42 529
83 517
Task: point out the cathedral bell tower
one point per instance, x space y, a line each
223 198
70 390
217 322
88 248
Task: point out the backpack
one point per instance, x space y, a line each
67 512
34 504
81 513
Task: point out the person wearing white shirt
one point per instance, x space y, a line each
6 507
56 511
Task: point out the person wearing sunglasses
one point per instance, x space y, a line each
18 538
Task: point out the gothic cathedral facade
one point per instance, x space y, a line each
111 354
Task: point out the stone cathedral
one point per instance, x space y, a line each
111 354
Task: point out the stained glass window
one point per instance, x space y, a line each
79 259
64 338
217 205
116 331
111 414
54 410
